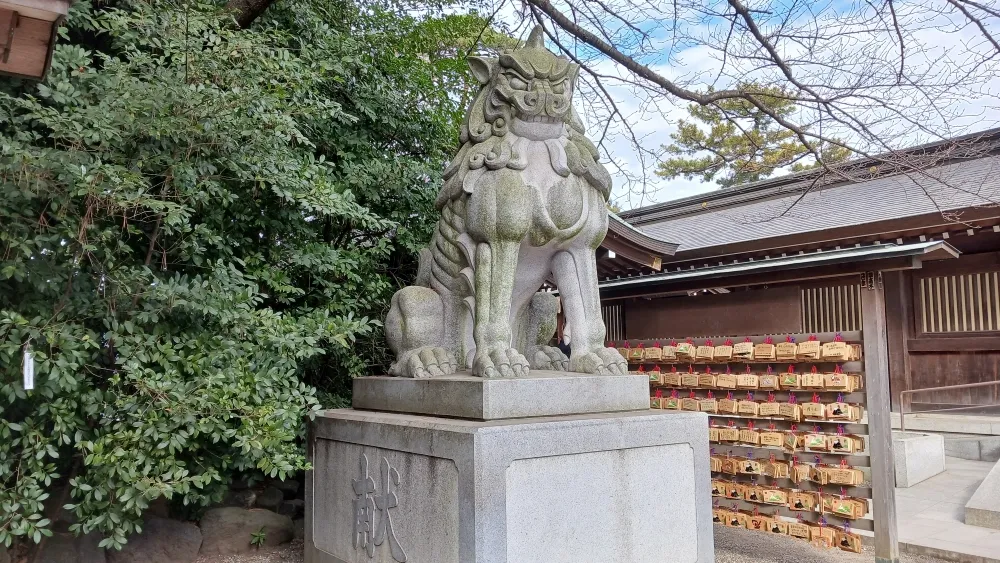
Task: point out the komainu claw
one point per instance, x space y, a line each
548 358
500 362
424 362
602 361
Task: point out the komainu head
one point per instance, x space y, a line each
526 95
527 91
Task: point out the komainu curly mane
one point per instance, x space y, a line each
488 144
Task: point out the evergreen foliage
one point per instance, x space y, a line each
733 142
199 228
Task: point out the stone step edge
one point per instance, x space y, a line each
984 504
946 554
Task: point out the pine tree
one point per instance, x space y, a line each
733 142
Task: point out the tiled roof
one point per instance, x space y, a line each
778 208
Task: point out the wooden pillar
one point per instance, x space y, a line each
899 319
909 327
876 359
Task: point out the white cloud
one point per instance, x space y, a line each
941 46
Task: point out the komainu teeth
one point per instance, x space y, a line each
539 119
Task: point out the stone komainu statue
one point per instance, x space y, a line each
522 202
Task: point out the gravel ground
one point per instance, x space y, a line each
731 546
289 553
743 546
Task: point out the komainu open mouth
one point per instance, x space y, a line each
537 127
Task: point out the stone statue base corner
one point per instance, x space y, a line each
613 487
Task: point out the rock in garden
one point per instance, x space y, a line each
228 530
161 541
270 498
159 507
67 548
299 529
239 484
290 487
243 498
61 518
292 508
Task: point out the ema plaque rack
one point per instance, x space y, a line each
788 427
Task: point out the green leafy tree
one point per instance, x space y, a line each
199 228
444 44
734 142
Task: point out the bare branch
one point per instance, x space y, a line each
899 36
978 23
624 60
870 78
986 9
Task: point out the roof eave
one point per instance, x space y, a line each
653 245
933 250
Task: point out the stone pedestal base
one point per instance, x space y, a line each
600 488
917 457
541 393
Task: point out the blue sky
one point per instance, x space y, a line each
654 118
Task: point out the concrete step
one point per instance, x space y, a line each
975 447
972 437
983 509
949 423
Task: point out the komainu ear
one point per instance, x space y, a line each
573 74
482 68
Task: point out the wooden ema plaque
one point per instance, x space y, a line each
790 454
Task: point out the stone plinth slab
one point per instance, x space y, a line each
541 393
917 457
610 488
983 509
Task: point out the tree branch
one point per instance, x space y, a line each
246 11
628 62
978 23
873 98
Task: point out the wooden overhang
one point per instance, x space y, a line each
804 266
28 32
628 251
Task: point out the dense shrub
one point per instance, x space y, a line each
199 227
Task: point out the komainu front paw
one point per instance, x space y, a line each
429 361
499 362
602 361
548 357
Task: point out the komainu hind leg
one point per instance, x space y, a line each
413 329
543 312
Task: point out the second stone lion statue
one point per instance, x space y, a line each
523 202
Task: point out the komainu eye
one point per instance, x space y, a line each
558 87
518 84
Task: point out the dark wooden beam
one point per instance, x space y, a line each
613 266
908 324
628 251
954 343
897 305
783 276
966 263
